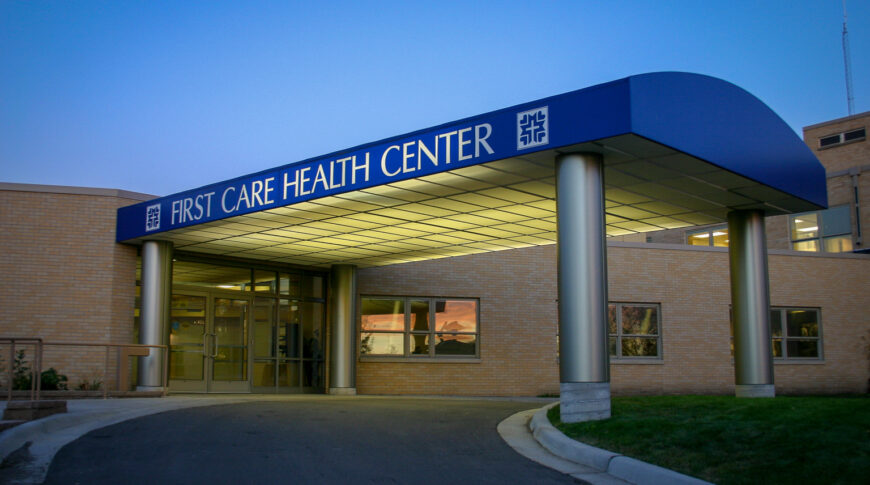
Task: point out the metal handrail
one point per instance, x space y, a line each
40 344
36 371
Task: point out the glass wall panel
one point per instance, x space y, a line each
419 344
288 374
291 284
802 323
805 226
186 336
639 347
264 374
836 220
289 329
377 314
611 318
382 344
699 239
312 375
720 239
265 281
838 244
777 348
775 323
264 328
809 245
803 348
455 316
231 349
312 330
454 344
312 286
228 278
639 320
419 315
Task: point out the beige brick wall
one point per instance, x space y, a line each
840 157
517 291
62 276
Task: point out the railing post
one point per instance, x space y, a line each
39 368
165 369
11 364
106 375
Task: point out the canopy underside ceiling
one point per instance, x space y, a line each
499 205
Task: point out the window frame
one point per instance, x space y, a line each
710 236
785 338
820 236
619 335
408 333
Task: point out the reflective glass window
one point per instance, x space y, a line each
382 343
418 327
382 314
634 330
796 333
829 230
711 236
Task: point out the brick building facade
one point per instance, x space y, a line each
63 278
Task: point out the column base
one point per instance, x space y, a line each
584 401
342 391
149 388
754 390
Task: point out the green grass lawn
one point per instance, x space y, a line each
725 440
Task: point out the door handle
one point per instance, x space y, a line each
215 353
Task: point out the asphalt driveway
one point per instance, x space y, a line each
334 440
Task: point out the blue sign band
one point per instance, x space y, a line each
701 116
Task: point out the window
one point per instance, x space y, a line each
634 330
829 230
419 327
711 236
841 138
795 333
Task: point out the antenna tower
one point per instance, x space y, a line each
850 101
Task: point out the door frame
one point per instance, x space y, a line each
208 384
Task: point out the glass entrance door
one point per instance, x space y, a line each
209 342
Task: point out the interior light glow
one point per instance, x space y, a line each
719 233
702 236
229 287
808 229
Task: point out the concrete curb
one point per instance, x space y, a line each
614 464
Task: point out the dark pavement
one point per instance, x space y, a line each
317 440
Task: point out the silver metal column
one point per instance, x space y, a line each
154 314
342 345
750 304
584 360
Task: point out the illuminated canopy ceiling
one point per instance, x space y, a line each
679 150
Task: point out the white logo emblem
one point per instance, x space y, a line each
152 217
533 128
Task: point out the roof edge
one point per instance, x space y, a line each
73 190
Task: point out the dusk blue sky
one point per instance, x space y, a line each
159 97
